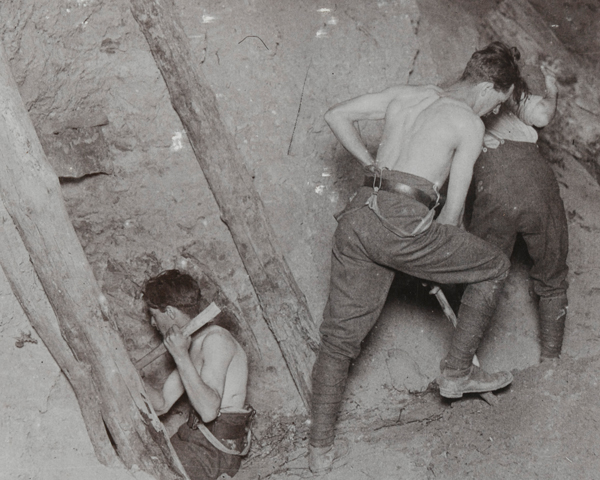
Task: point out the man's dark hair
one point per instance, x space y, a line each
173 288
497 63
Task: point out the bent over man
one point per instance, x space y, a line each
430 135
516 192
211 368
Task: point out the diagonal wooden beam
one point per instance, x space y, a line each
283 304
85 342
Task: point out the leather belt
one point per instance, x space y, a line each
396 187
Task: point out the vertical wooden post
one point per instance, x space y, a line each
284 306
84 341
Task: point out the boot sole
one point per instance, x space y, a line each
454 394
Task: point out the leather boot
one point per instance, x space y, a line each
475 381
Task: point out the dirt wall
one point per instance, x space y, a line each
137 197
101 108
149 208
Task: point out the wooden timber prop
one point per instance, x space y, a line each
575 129
72 318
283 304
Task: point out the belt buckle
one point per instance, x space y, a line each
377 185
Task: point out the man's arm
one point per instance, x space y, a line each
341 119
201 372
538 110
162 400
471 132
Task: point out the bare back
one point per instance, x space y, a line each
423 130
427 133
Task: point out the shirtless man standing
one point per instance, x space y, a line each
430 135
211 368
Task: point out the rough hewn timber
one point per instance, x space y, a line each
575 129
283 304
30 294
84 342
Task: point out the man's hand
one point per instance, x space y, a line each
490 141
550 77
177 343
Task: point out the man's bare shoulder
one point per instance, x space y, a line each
405 92
374 106
461 114
215 333
215 338
455 122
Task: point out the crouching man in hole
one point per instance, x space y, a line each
212 369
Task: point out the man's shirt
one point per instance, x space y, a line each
514 126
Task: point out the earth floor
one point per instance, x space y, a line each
545 426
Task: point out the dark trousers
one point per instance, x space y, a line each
516 192
200 458
366 255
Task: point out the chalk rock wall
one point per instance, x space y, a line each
153 211
138 199
150 208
